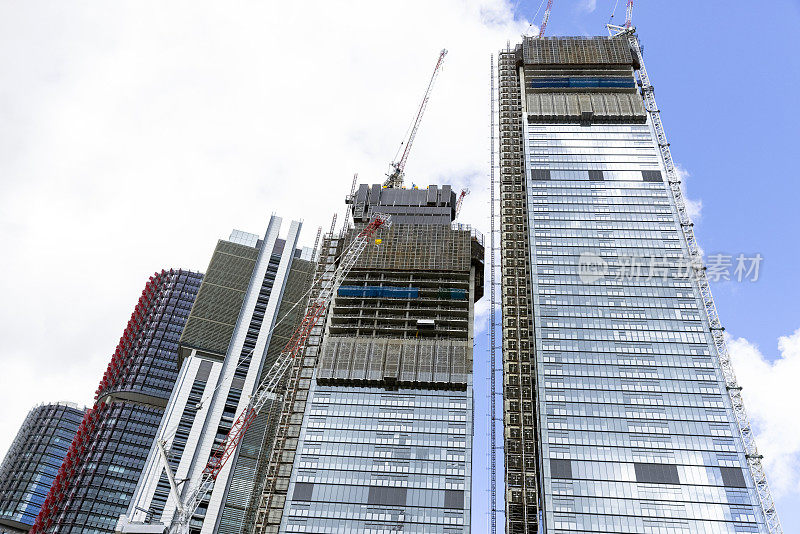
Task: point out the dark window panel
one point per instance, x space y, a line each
560 468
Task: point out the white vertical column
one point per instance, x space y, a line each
210 524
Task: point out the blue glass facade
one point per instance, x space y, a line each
32 462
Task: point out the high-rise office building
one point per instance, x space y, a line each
254 291
621 413
102 466
378 433
32 462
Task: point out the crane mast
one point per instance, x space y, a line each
395 176
269 387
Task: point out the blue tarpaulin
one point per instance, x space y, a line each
379 291
398 292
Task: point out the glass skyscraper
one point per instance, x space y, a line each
32 462
105 459
617 417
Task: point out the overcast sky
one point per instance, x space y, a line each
133 135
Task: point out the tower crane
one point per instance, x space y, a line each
460 201
614 29
268 389
395 176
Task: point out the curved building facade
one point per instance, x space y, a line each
32 462
105 459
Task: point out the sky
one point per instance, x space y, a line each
133 135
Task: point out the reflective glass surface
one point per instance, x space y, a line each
636 426
372 460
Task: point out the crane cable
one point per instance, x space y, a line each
534 17
613 11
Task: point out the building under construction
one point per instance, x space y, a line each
376 431
621 411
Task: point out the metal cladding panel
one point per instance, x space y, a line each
444 194
391 369
216 309
375 194
576 51
403 197
429 206
362 194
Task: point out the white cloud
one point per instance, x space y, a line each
693 207
136 134
587 6
770 394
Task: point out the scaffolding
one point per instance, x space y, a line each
520 430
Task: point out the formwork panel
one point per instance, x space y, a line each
376 352
408 363
391 369
441 366
425 369
348 351
327 361
359 368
